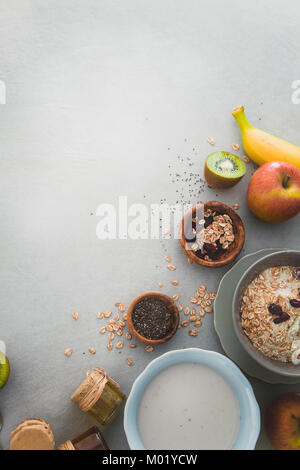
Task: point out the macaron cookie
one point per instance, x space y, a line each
32 434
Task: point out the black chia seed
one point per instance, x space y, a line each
152 318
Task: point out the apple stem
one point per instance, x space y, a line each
285 181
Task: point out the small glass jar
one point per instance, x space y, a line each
100 396
91 439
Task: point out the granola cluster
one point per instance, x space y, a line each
268 317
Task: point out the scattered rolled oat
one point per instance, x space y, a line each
111 336
168 259
109 345
75 315
102 329
149 348
175 283
129 361
180 307
100 315
68 352
198 323
202 312
107 314
92 350
235 146
187 310
185 323
128 335
235 206
246 159
193 333
119 345
122 308
211 141
171 267
161 285
132 346
175 297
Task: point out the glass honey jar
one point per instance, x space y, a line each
91 439
100 396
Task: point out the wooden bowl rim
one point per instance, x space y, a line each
167 300
239 236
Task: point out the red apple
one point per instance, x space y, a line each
274 192
283 422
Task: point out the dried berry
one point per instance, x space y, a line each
210 248
275 309
283 317
297 271
295 303
208 221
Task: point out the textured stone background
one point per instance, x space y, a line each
102 97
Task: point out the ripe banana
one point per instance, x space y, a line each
262 147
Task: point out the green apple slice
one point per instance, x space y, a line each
4 369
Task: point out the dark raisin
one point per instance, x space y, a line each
210 248
299 291
295 303
275 309
282 318
200 254
208 221
297 271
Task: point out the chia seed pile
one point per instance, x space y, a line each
151 318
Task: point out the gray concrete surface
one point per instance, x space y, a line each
102 98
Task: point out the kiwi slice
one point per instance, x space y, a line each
4 369
223 170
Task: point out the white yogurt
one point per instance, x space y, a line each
188 406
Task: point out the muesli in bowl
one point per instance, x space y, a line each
270 312
266 312
211 234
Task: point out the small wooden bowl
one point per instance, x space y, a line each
233 250
174 319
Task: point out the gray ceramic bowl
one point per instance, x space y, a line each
280 258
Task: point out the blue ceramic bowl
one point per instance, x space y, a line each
249 411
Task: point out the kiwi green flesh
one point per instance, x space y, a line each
226 165
4 369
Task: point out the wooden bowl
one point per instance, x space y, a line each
174 318
233 250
